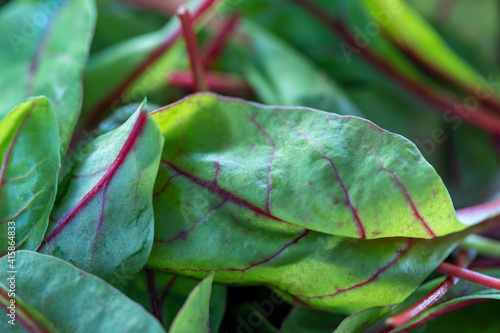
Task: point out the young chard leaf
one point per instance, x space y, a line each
29 163
324 172
105 202
40 57
164 294
71 300
194 316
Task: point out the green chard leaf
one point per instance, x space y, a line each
241 188
337 175
52 295
140 65
41 56
164 294
29 163
194 314
105 202
282 76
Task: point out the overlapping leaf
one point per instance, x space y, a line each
29 163
54 296
164 294
39 58
103 217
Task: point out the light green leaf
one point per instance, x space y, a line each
102 221
54 296
194 316
337 175
212 211
41 56
29 164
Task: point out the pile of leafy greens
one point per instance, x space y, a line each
262 197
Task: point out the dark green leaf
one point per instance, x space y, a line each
281 76
54 296
119 21
247 318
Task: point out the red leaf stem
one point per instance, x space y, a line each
412 312
200 83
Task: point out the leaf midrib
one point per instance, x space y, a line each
127 147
